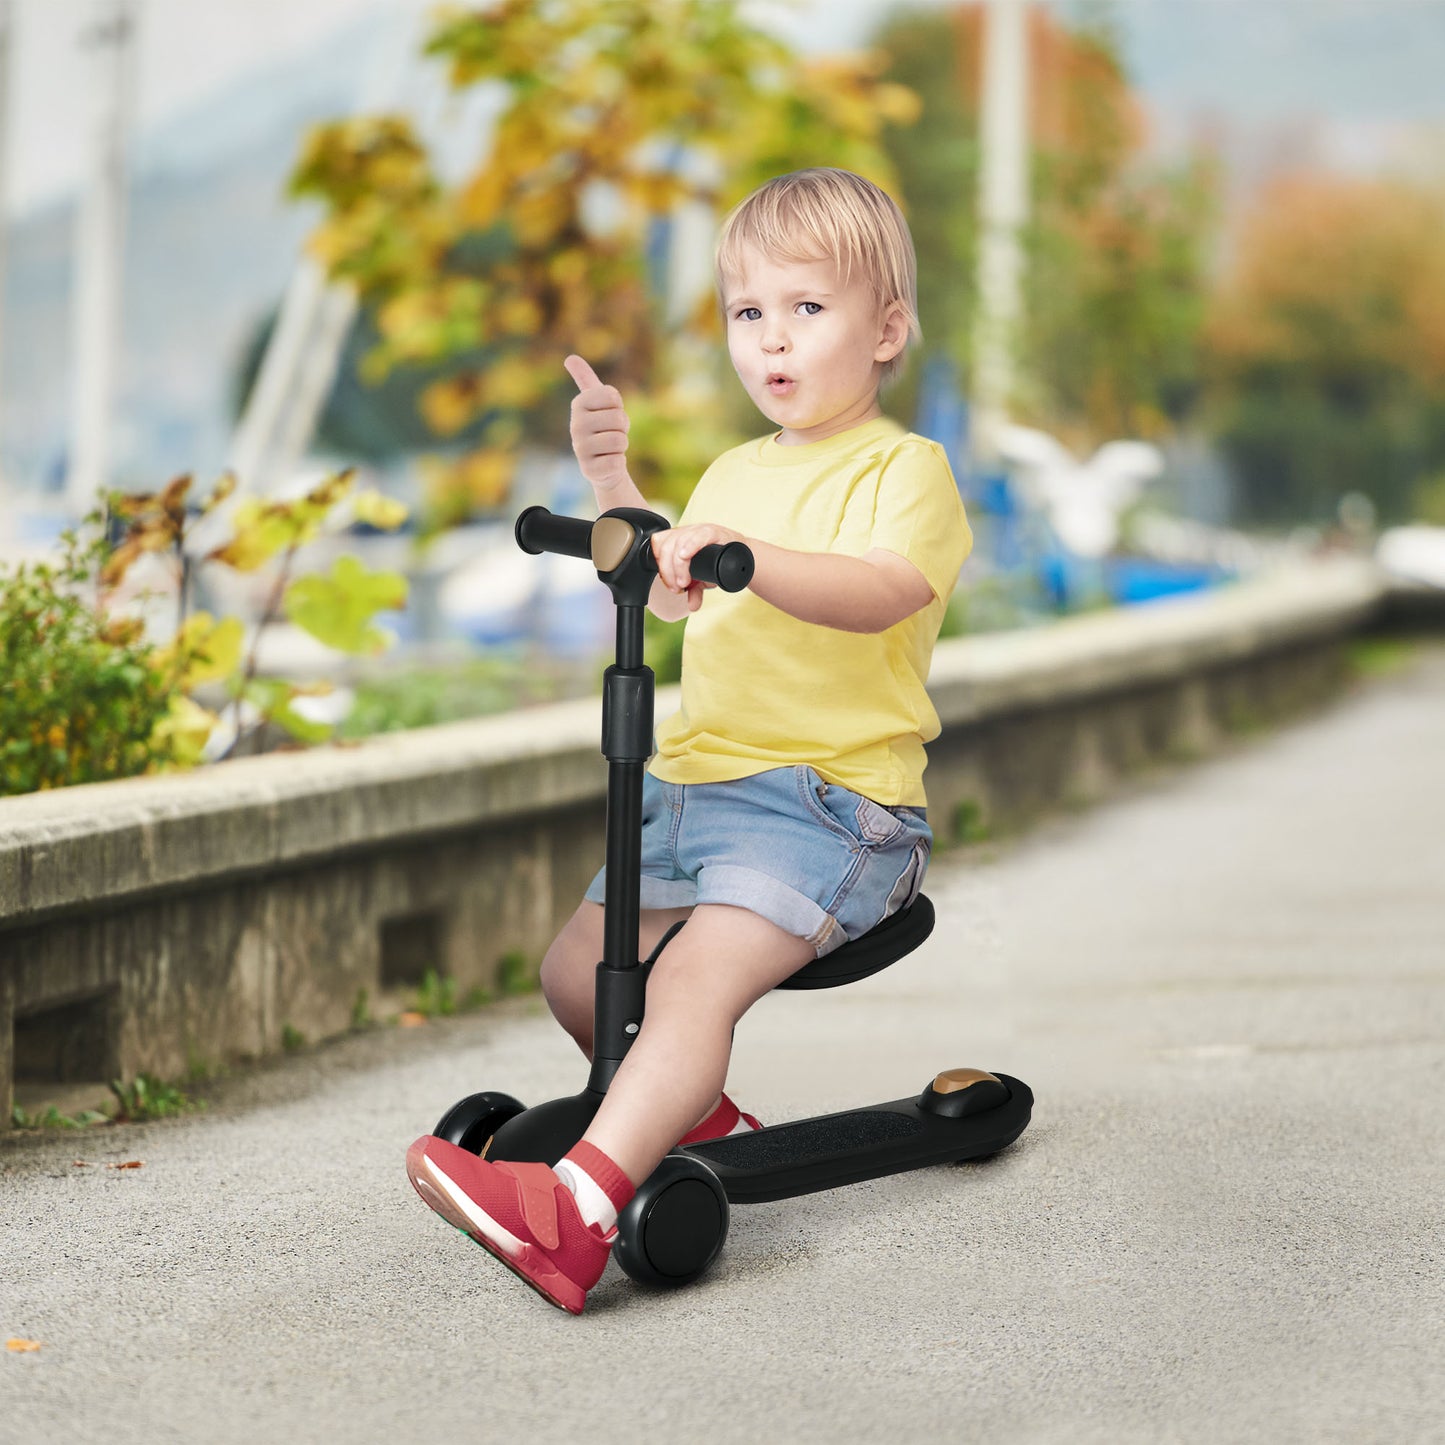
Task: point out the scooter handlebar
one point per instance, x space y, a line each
727 565
539 530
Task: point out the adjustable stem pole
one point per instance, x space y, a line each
624 863
627 744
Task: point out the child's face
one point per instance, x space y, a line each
808 349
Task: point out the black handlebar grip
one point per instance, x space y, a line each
539 530
728 564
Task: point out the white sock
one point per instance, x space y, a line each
592 1202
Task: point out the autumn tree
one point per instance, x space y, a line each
1327 347
614 115
1115 246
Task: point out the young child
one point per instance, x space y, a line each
783 812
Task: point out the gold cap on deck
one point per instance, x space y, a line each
950 1081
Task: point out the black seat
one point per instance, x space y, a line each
898 934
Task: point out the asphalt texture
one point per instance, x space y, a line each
1227 990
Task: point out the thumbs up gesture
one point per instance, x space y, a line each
599 428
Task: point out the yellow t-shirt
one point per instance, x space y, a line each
761 689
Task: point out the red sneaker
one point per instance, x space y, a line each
522 1213
722 1121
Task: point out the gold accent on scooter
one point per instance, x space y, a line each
951 1081
611 542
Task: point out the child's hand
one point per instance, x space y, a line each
674 550
599 427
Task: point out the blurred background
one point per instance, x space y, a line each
1182 284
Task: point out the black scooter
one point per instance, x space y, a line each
674 1226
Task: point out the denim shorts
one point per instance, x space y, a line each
823 863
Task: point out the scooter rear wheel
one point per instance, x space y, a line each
472 1121
674 1226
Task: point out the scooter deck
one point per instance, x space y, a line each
868 1143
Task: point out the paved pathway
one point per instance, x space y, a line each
1228 992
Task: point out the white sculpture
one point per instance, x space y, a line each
1083 501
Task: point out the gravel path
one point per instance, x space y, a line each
1227 991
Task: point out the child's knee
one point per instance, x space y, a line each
723 962
563 975
685 979
569 966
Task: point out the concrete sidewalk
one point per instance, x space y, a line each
1228 994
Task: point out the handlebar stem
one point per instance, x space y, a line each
622 552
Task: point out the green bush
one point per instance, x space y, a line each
83 692
52 1118
424 697
146 1097
435 997
87 698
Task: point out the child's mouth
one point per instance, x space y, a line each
781 385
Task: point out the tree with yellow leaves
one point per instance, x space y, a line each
614 114
1116 247
1327 349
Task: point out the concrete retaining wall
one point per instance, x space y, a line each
171 925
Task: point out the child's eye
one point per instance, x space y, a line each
816 307
748 313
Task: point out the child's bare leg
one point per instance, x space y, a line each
569 971
706 979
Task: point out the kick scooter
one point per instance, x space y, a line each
675 1225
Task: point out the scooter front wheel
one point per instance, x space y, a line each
674 1226
472 1121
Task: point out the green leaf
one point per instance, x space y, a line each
261 530
273 698
378 511
181 735
209 650
337 609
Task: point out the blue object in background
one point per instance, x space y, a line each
1000 524
942 417
997 495
657 252
1142 579
1021 547
1057 579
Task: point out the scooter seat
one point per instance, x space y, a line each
898 934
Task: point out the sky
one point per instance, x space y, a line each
1374 61
185 50
1366 67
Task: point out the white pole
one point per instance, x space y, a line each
6 8
1003 210
269 405
99 242
305 348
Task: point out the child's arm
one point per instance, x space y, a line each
854 594
599 437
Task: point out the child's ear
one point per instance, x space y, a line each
893 334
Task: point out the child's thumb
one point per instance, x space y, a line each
581 373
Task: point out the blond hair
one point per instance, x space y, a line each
822 214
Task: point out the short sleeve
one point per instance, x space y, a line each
690 507
918 513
